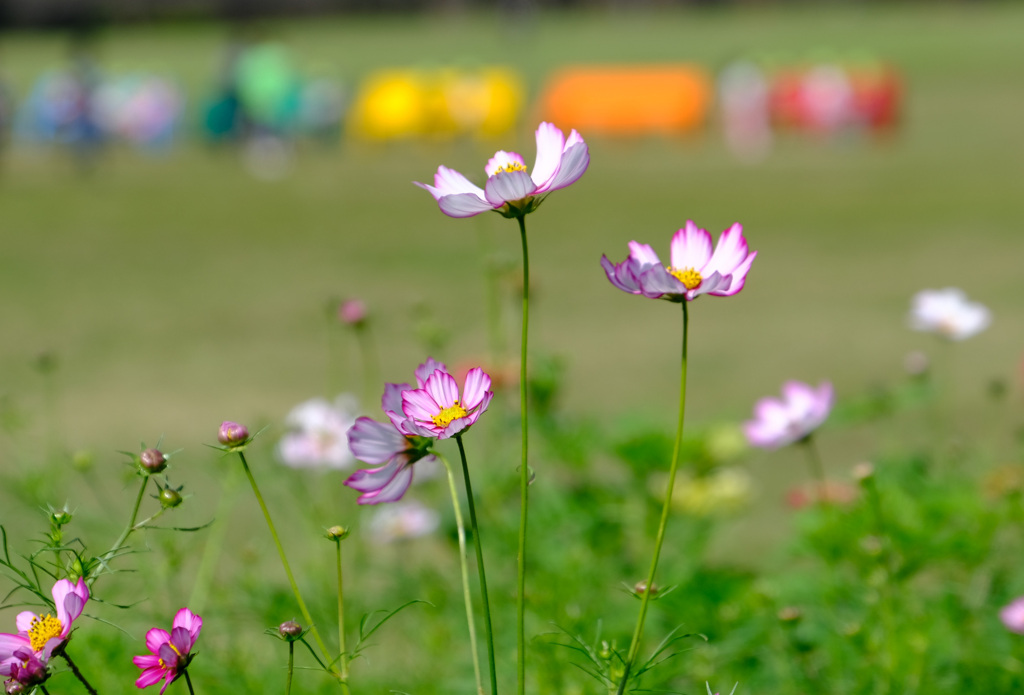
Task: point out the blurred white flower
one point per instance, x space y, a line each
948 313
402 521
317 436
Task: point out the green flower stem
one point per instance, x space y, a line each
480 565
78 674
109 555
467 596
188 681
43 688
343 656
634 646
524 476
291 668
817 469
284 560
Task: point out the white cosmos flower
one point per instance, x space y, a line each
948 313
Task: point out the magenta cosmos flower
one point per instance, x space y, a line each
39 635
169 652
698 267
509 189
780 422
388 446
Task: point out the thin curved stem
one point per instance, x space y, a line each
524 475
634 646
467 596
284 560
78 674
188 682
480 566
109 555
343 656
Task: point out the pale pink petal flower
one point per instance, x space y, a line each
509 189
317 436
948 313
403 521
801 410
697 266
1012 616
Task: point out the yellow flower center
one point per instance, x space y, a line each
510 167
452 412
688 276
42 630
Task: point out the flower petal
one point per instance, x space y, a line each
426 369
443 388
643 254
11 643
656 281
475 388
24 621
550 145
738 278
622 275
370 479
156 638
691 248
419 405
508 186
463 205
150 676
188 620
392 398
391 492
375 442
731 251
574 164
450 182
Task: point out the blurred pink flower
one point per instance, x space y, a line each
403 521
1012 616
380 443
318 434
435 410
780 422
169 653
39 635
948 313
509 189
697 266
352 312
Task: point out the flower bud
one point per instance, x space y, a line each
352 312
289 630
60 517
916 364
863 471
337 533
13 687
153 460
640 588
170 498
790 614
232 433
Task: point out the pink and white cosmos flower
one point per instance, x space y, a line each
948 314
39 635
436 411
697 267
509 189
388 446
169 652
777 422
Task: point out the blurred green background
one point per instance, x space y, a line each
175 292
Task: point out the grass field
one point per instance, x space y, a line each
176 292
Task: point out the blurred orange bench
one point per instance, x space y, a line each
628 100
